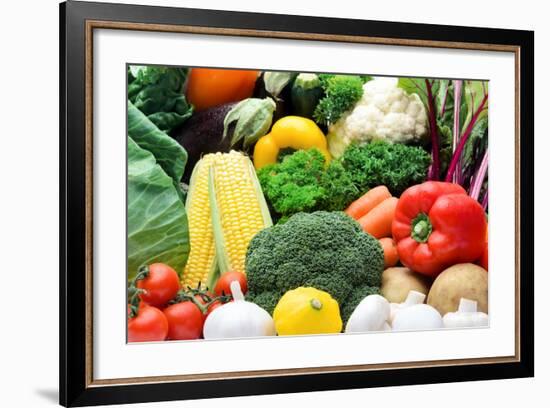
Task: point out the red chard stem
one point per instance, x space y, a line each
456 123
464 139
477 182
445 99
434 169
485 200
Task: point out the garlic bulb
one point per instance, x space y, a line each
466 316
238 318
370 315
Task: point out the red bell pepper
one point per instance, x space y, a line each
484 260
437 225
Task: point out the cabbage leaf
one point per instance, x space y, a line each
157 225
170 155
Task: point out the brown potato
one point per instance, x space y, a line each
397 282
459 281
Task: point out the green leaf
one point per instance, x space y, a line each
445 147
474 91
252 119
276 81
477 143
169 154
418 86
158 93
157 221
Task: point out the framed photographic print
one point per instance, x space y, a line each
256 203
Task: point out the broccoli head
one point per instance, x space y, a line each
324 250
266 300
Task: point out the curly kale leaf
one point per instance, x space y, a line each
395 165
158 93
303 183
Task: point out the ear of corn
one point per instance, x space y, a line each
226 208
238 208
201 265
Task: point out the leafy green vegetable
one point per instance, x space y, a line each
394 165
474 92
419 86
168 153
158 93
341 93
325 250
157 221
445 147
302 182
458 125
476 95
474 149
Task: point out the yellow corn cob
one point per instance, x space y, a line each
201 265
238 208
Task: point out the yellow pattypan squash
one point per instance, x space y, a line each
307 310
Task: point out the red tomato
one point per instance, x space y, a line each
208 87
161 285
185 321
224 282
213 307
150 324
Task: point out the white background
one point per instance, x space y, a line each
29 204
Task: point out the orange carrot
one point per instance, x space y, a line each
377 221
390 252
367 202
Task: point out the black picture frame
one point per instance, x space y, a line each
76 387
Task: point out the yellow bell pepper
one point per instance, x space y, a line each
307 310
291 131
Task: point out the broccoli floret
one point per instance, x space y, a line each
355 297
325 250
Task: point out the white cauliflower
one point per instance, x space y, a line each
385 112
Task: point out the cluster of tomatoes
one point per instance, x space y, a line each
160 309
